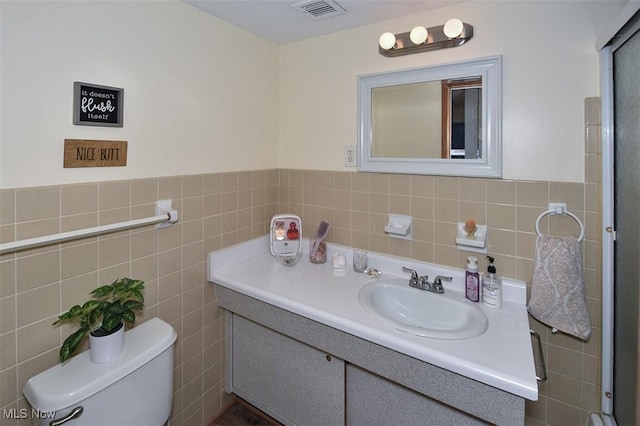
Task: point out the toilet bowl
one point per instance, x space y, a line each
134 389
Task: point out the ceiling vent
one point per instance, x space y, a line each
319 9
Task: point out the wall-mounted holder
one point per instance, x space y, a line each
559 209
164 207
476 243
399 226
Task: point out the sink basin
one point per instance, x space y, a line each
439 316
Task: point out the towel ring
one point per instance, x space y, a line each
563 212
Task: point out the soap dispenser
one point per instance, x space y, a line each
472 280
492 286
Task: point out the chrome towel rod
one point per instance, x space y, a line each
555 209
165 216
538 356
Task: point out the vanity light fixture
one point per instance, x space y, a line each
387 40
453 28
420 39
419 34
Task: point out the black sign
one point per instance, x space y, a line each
95 105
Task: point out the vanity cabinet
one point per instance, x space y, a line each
293 382
298 384
304 372
375 401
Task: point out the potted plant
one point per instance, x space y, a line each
103 316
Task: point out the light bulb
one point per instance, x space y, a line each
418 35
453 28
387 40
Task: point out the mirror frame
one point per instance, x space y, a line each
490 165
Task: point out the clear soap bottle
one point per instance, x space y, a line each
472 280
492 286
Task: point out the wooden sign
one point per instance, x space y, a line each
94 153
95 105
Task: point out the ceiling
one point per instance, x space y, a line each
279 22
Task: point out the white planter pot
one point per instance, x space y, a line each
105 348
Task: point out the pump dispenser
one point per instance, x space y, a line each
472 280
492 286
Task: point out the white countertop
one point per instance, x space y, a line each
501 357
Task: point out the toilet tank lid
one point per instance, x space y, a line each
78 378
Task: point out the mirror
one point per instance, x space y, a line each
440 120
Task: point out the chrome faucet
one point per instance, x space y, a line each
422 282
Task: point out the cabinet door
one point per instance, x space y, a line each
292 382
376 401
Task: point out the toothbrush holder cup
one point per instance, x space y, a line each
359 260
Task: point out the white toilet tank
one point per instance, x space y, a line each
134 389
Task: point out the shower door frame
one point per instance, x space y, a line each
607 44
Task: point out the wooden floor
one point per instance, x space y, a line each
241 413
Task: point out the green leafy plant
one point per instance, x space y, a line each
111 306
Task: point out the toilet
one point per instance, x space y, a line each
134 389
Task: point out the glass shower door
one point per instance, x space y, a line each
626 63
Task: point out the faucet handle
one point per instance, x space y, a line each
414 274
437 283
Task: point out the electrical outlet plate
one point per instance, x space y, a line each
350 155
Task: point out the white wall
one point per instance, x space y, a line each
200 95
550 66
204 96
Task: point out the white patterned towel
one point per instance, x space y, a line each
557 288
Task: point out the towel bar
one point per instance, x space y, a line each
165 216
538 357
555 209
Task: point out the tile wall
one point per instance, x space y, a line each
218 210
358 204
